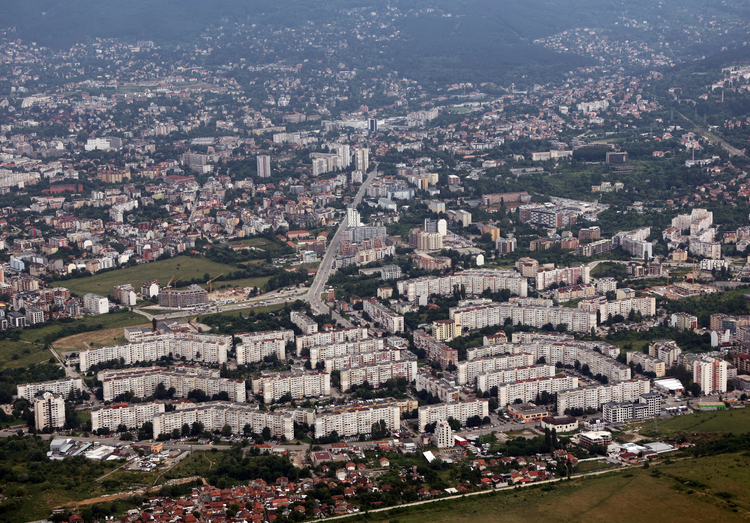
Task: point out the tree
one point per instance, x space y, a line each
197 428
266 434
146 431
455 424
226 430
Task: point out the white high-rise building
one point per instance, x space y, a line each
345 155
49 410
444 435
352 217
96 304
362 156
264 166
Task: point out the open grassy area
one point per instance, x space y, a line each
100 338
22 354
31 348
107 321
734 420
633 495
181 266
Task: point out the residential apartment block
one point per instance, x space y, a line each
711 375
377 374
254 347
215 415
49 411
353 420
477 314
131 415
459 411
666 351
441 388
142 382
469 370
336 350
388 320
205 348
329 337
647 406
436 350
473 281
299 386
359 359
527 390
62 387
648 363
304 322
595 397
563 276
497 378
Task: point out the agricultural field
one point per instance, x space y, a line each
736 421
181 266
611 497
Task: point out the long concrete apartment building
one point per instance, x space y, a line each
346 348
204 348
142 382
599 356
253 347
63 387
494 379
595 397
469 370
330 337
388 320
349 361
215 415
473 281
131 415
353 420
477 314
527 390
378 374
459 411
307 385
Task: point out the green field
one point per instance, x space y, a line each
630 495
180 266
736 421
22 354
31 348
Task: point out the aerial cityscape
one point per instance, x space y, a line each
441 260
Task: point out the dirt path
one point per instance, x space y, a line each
111 497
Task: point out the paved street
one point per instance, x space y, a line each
324 270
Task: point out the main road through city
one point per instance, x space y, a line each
324 270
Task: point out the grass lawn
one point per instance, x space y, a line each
735 420
100 338
22 354
634 495
180 266
116 320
